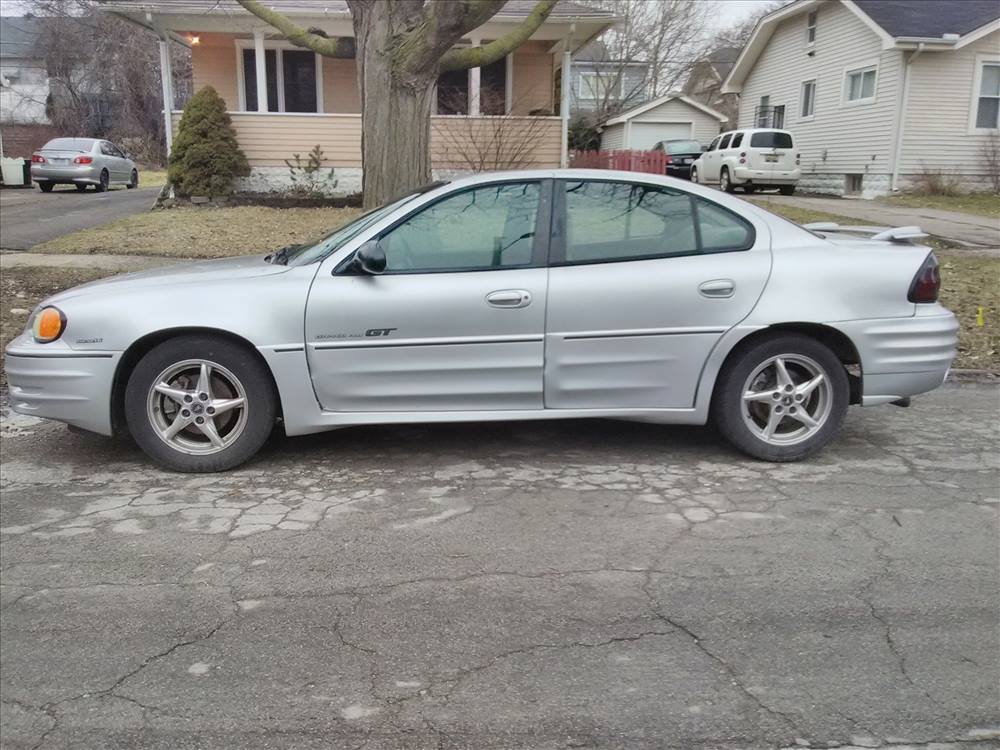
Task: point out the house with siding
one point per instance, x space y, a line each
601 85
876 92
672 116
24 88
304 99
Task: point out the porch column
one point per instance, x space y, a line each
474 79
564 106
167 81
260 65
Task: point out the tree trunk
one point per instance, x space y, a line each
395 123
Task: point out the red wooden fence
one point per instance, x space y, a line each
629 161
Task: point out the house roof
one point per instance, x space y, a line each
936 25
629 114
18 35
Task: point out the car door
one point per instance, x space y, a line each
455 323
111 162
122 163
710 160
643 282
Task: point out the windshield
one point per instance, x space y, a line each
307 253
70 144
771 139
682 147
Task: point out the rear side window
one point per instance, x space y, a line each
725 142
771 139
618 221
737 140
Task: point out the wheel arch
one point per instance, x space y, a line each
144 344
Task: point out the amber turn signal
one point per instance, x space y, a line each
48 325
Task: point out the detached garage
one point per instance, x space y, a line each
673 116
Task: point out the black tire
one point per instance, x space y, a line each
45 187
725 181
693 176
102 186
786 189
749 189
133 182
727 399
80 188
241 361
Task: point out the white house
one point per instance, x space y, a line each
672 116
876 92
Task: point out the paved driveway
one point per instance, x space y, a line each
578 584
28 217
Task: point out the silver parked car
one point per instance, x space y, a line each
523 295
82 162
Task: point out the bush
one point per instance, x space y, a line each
206 157
936 182
583 135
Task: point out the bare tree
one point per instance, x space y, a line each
991 160
403 46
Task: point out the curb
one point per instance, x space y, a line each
958 375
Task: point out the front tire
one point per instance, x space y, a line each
725 181
200 403
781 398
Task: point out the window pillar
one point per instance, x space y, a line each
474 85
260 61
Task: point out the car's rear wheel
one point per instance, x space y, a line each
725 182
45 187
781 398
105 181
786 189
133 182
694 175
200 403
749 189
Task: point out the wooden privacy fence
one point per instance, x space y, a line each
654 162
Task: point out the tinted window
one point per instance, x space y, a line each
83 145
682 147
725 142
713 144
771 139
614 221
737 140
250 79
488 227
299 68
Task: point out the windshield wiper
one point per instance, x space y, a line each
280 257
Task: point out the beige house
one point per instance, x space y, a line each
669 117
509 114
876 92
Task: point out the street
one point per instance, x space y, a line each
28 217
580 584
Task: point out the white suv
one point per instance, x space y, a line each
751 159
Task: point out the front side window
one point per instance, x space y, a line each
619 221
713 144
486 228
808 98
988 103
860 84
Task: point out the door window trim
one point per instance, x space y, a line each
557 241
539 248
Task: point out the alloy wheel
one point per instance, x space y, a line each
197 407
786 399
724 181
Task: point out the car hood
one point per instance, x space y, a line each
226 269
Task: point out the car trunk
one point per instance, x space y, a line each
771 152
61 155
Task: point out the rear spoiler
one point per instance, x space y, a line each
898 234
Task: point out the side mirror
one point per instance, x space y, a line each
370 259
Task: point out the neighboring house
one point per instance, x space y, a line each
704 83
305 99
876 92
670 117
605 86
24 88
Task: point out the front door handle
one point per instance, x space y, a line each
717 288
509 298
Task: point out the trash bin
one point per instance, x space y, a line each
13 171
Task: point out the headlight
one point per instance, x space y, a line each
48 324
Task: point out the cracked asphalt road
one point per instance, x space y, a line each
584 584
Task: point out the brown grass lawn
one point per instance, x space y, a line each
982 204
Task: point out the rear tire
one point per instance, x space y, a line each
133 182
777 416
237 412
786 189
105 181
725 181
80 188
45 187
749 189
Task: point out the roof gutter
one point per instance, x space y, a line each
901 118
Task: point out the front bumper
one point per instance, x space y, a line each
81 174
902 357
62 384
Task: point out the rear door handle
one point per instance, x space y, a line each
717 288
509 298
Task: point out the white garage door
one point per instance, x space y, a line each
644 135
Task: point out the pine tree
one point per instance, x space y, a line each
206 157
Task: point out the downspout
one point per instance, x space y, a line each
167 81
564 98
901 118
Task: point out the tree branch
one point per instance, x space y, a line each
477 57
295 34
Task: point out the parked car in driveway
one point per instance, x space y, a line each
544 294
681 154
82 162
752 158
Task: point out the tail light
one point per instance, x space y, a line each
37 159
743 154
83 160
797 159
926 284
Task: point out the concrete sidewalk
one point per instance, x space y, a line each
97 261
967 229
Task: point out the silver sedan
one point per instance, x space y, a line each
522 295
82 162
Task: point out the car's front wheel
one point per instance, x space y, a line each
725 181
694 175
200 403
781 398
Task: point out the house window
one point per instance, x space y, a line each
594 85
860 84
493 88
811 28
808 98
292 80
250 79
299 70
988 103
453 93
778 116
